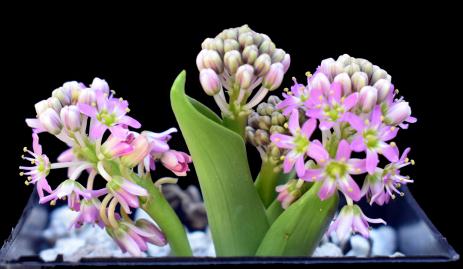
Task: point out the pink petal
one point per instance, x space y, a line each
372 161
282 141
293 123
404 155
119 131
390 152
344 151
312 175
87 110
308 127
357 166
97 130
356 122
350 188
127 120
314 113
376 116
350 101
325 125
300 167
359 226
358 144
66 156
318 152
327 189
133 188
37 148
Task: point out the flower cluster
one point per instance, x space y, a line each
240 60
95 126
356 108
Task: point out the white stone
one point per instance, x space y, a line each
156 251
397 254
360 246
327 250
384 240
69 246
48 255
199 242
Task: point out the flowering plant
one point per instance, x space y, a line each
316 145
94 125
349 103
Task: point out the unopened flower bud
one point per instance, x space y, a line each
210 81
367 67
41 106
277 129
286 62
115 147
384 88
344 59
245 39
244 76
141 148
87 96
200 59
50 120
267 46
70 117
346 84
367 99
320 81
73 88
63 96
398 112
250 54
290 192
230 44
274 77
359 80
331 68
231 34
176 161
232 60
377 75
244 29
212 60
153 234
278 118
207 44
264 122
261 137
100 85
262 64
54 103
278 56
352 68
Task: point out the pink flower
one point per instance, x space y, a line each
115 147
299 144
158 145
37 173
70 189
351 219
294 99
329 106
385 183
133 238
108 113
336 173
176 162
89 213
289 192
371 137
399 113
126 192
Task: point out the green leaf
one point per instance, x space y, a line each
297 231
235 212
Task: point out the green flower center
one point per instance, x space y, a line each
301 143
371 138
106 118
333 112
336 169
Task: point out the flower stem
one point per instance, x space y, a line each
267 180
162 213
236 122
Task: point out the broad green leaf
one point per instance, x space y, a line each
236 215
297 231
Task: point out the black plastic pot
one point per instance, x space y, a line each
418 239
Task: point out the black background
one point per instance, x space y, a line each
140 51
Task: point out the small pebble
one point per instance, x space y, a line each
384 241
360 246
327 250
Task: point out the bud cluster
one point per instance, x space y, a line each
239 60
80 116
